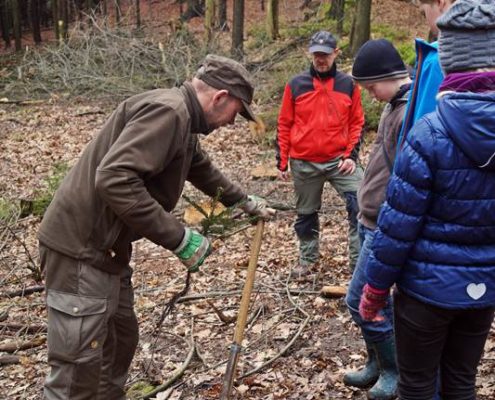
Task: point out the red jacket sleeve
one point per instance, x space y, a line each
285 122
356 121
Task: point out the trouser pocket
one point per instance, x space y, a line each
76 326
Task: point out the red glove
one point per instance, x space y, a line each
372 301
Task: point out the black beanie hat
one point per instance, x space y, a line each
378 60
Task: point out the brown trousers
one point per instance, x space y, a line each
92 329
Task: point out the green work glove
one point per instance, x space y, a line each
257 207
193 249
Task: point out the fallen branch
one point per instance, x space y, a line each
4 316
279 354
333 291
226 319
176 375
291 342
210 295
21 102
9 359
83 113
35 269
23 328
23 292
14 346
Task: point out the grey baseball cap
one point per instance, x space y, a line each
322 42
224 73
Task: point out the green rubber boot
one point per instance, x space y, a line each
386 386
366 376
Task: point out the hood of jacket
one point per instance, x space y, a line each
470 121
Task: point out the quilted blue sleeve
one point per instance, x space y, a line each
402 215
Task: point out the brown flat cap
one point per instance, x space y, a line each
224 73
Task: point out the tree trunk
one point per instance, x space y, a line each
222 15
337 13
138 13
16 18
195 8
238 29
35 21
209 20
55 14
118 12
6 18
304 4
272 19
104 9
64 17
361 29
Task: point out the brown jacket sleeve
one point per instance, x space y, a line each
145 146
207 178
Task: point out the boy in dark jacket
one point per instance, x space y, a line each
379 69
436 231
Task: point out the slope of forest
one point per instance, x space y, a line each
297 344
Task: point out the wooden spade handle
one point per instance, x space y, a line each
248 285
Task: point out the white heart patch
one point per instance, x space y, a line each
476 291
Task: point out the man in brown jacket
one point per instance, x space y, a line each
124 186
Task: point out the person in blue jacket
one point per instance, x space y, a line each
436 231
427 72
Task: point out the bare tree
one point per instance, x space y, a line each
238 29
337 13
195 8
63 19
361 25
5 21
55 13
16 19
103 5
138 13
118 12
35 20
272 19
209 19
222 15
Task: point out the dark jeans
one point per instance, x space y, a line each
429 338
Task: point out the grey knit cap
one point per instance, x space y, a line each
467 35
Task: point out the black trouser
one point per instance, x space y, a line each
429 338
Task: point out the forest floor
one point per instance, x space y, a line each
35 137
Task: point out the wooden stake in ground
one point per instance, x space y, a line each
235 349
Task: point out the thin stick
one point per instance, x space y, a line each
12 347
23 292
294 338
176 375
209 295
279 354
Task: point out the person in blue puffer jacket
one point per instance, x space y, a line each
436 231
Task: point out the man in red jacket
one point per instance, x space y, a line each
319 131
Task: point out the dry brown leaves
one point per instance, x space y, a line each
35 137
